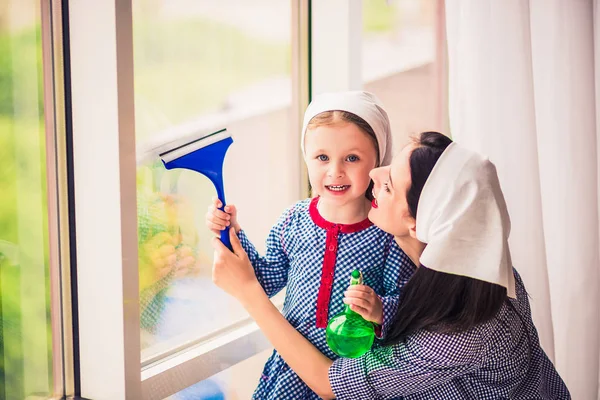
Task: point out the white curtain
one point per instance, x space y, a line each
522 89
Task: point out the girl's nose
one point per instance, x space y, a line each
335 170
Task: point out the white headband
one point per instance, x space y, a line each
462 216
362 104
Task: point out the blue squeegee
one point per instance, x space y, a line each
204 155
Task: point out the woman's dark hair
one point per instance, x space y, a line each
432 300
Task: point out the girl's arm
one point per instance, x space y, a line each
233 273
397 271
271 269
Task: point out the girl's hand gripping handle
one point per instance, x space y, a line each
225 233
220 218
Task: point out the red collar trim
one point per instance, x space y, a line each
344 228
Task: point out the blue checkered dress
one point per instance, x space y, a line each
501 359
298 248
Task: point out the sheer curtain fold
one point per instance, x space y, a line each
522 89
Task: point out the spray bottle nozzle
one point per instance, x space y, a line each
356 277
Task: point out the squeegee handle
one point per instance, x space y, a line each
217 180
225 235
224 232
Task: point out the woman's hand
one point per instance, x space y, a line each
232 271
365 301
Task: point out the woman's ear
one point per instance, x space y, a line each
412 228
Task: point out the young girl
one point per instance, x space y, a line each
317 242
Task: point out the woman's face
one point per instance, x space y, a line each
390 210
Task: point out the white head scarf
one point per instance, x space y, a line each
462 216
363 104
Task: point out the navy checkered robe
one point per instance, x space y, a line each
500 359
298 248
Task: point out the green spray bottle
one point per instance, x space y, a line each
348 334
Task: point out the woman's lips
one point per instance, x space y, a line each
374 203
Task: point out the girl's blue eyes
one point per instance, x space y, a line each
350 158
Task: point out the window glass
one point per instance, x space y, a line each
235 383
25 325
201 66
402 63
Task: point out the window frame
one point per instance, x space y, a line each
336 63
103 152
55 149
57 191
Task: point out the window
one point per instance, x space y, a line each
200 67
30 350
403 63
170 69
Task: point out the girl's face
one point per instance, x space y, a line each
390 210
339 158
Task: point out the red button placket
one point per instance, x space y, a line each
329 259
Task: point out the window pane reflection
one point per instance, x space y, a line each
25 330
201 66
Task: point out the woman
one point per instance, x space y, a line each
463 329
